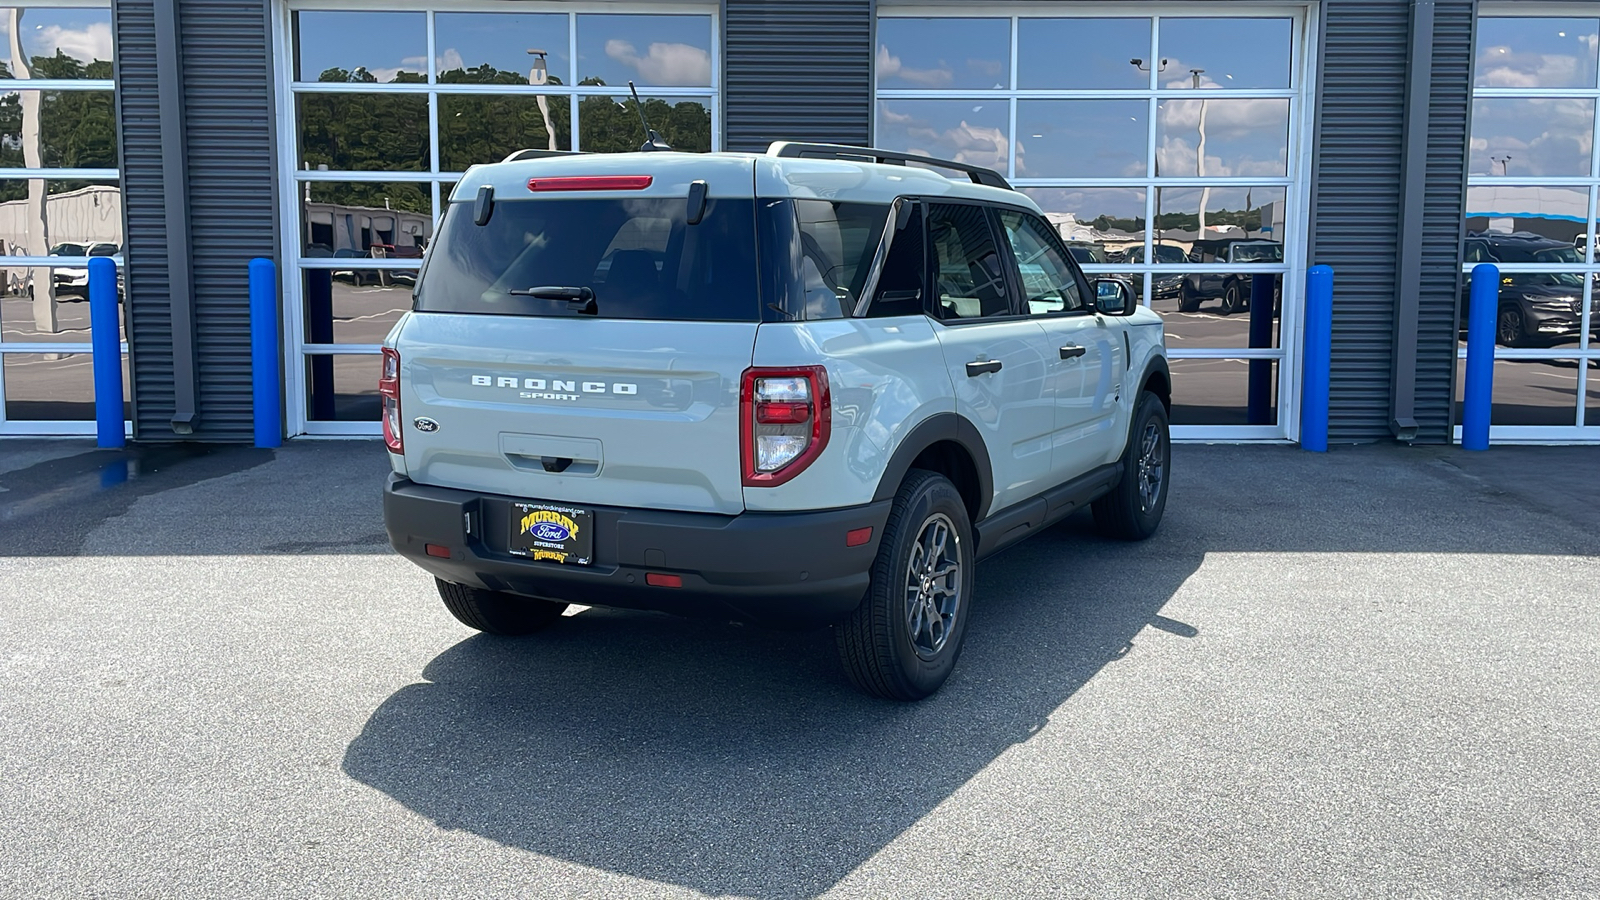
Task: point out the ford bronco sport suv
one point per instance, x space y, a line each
811 387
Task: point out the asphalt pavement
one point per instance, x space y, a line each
1374 672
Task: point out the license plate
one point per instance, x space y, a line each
560 534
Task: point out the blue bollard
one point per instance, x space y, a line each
266 375
109 427
1318 359
1478 399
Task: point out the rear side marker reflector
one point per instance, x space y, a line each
858 536
592 183
437 550
656 579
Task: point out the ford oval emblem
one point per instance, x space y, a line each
426 424
550 531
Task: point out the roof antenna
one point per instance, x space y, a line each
652 141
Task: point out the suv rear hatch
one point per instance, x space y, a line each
585 343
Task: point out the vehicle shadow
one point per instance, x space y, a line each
733 760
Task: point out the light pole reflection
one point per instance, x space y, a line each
539 76
36 225
1200 156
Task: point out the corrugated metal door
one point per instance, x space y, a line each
228 195
1357 181
149 323
228 109
1444 208
800 70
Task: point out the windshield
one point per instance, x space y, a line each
1090 255
1559 253
1258 253
638 255
1166 254
1547 279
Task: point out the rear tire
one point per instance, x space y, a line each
1132 511
1233 300
902 642
494 612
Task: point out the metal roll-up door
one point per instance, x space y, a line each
1444 207
228 114
1359 178
1355 206
149 324
227 196
799 70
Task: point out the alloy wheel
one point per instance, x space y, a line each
1152 466
933 586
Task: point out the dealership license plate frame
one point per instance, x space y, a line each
575 549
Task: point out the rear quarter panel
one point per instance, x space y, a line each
885 376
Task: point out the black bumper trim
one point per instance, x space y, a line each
780 568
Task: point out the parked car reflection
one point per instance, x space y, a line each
1166 285
1537 309
1233 289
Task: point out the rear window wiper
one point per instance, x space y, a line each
580 299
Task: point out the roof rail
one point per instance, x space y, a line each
538 154
799 150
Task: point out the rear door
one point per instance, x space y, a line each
626 395
996 357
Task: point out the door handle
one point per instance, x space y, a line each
1072 351
974 369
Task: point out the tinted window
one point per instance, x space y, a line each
1048 284
1258 253
970 279
837 244
904 269
639 256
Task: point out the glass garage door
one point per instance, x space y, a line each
385 108
1164 148
1532 187
60 204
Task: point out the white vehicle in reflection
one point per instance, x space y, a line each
74 283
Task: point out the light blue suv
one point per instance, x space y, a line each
812 387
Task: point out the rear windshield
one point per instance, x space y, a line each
639 255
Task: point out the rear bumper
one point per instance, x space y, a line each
780 569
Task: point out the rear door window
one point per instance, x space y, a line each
638 255
969 274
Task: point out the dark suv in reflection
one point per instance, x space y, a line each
1233 289
1537 309
1166 285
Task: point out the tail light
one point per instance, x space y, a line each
389 388
785 419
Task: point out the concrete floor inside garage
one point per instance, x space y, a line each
1375 671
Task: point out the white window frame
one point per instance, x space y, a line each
57 427
292 180
1296 183
1586 349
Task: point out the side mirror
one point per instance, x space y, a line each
1113 298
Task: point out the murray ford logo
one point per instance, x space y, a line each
426 424
553 388
545 525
